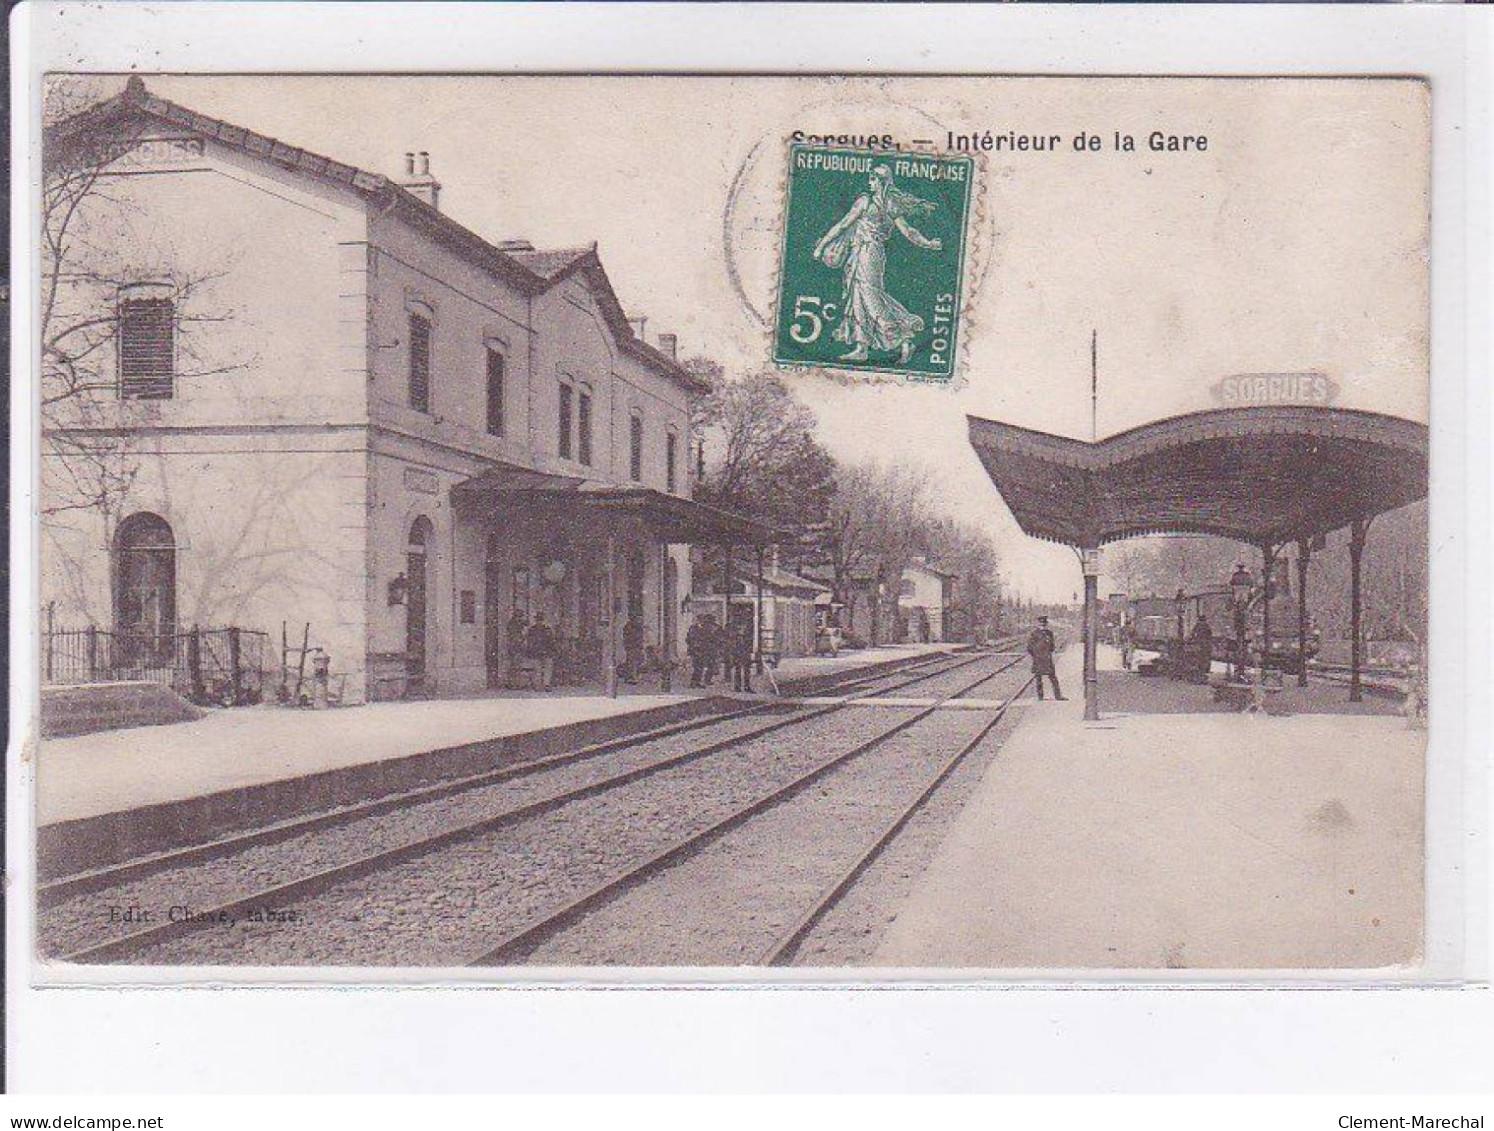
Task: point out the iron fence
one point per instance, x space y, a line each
225 666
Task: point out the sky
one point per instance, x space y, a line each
1296 241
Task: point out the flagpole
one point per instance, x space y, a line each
1094 384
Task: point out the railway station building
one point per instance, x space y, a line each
331 409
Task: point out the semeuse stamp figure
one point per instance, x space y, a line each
893 227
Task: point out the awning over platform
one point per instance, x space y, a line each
1257 475
569 499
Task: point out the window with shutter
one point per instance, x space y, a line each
495 392
671 460
563 443
583 428
635 448
147 349
420 363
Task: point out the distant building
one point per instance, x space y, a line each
789 605
923 602
340 407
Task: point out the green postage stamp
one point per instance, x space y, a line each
873 260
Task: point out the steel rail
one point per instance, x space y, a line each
918 665
564 914
54 892
783 949
305 886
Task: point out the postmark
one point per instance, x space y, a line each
872 262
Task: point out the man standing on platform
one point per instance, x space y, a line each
715 649
739 654
542 649
697 644
632 650
1041 646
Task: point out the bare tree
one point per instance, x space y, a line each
96 243
877 524
969 554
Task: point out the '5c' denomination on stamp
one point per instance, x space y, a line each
872 261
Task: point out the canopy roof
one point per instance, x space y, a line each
570 500
1253 474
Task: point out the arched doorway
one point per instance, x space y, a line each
144 588
417 603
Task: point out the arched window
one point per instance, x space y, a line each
144 585
583 424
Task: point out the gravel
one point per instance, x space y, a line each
440 908
86 919
727 903
852 929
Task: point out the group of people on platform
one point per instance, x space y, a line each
709 645
538 649
545 653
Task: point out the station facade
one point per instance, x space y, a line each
332 406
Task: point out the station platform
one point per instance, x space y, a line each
115 794
1175 834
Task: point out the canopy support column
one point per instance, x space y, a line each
1091 624
609 618
1268 566
1304 555
1357 532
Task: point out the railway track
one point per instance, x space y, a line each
520 944
649 754
54 892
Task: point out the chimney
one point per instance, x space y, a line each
418 180
669 345
639 323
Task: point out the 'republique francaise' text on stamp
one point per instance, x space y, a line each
873 256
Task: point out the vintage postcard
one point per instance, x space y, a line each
918 527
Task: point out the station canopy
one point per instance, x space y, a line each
1257 475
572 501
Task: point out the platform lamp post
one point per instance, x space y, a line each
1240 585
1089 559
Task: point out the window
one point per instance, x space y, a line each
563 445
635 447
420 363
583 426
147 348
671 459
495 392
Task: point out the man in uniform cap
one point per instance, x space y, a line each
1040 646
